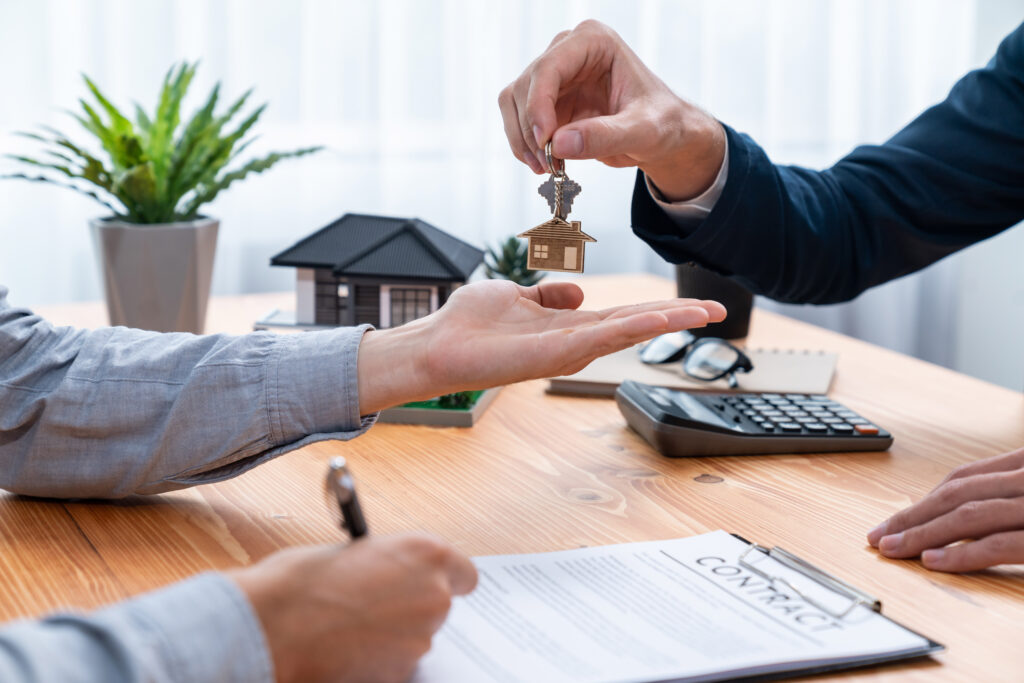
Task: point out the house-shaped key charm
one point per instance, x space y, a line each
557 244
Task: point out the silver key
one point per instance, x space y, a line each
560 191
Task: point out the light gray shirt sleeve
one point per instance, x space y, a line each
202 630
691 213
115 411
110 412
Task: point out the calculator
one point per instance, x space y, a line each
682 423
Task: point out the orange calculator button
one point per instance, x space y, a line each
866 429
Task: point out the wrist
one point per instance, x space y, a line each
392 368
694 158
265 596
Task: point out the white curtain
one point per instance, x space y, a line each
403 95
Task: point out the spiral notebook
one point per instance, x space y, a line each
790 371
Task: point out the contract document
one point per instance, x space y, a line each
693 609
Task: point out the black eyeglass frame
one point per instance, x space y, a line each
741 364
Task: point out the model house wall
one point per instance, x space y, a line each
376 270
305 293
556 245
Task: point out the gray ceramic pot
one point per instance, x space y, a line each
156 277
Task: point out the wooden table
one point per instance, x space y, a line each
547 473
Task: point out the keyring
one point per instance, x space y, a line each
560 173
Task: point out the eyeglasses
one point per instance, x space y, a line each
705 359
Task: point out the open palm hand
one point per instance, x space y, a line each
497 332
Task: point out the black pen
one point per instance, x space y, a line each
340 481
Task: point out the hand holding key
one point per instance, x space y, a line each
592 98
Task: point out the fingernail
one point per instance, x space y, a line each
537 136
934 556
877 533
891 542
573 143
542 159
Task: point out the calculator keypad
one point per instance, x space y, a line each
792 414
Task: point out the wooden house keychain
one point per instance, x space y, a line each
557 244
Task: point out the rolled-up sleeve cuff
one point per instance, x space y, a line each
313 387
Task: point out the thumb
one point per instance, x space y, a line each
554 295
597 137
462 574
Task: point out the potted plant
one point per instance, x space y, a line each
154 175
507 261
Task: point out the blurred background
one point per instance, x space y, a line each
403 95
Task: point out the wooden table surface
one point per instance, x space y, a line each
541 473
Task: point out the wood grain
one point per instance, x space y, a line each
542 472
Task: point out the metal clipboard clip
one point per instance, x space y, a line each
856 596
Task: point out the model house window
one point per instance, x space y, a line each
409 303
342 291
540 251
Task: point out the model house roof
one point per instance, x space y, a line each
380 246
559 229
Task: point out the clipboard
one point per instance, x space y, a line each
679 610
835 584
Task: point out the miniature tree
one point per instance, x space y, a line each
508 262
460 399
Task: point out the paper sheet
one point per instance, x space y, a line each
653 611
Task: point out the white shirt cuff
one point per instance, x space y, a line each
693 211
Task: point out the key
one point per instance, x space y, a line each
557 244
560 191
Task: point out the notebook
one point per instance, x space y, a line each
775 370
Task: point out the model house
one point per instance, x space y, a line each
557 245
377 270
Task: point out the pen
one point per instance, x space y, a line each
340 482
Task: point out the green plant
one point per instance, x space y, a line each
158 169
508 262
460 399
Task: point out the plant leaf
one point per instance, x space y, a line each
142 119
119 125
70 186
206 193
165 123
197 132
510 263
218 154
92 168
137 189
92 123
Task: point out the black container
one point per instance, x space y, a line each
695 282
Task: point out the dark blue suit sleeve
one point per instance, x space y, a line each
954 176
